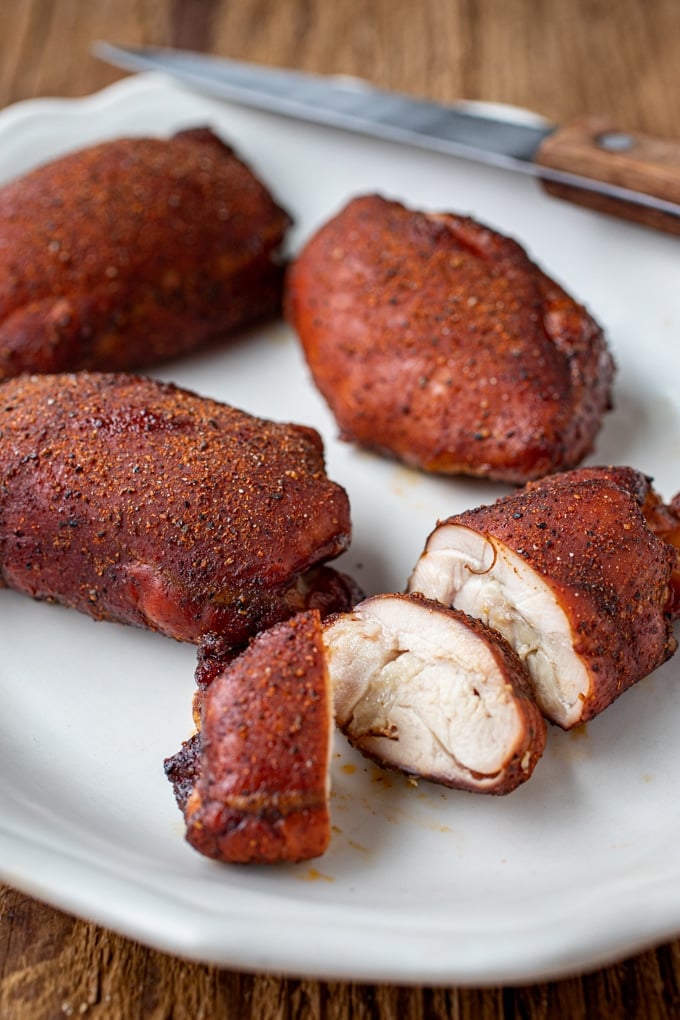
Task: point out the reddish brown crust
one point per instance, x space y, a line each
184 768
664 520
132 252
137 501
437 341
584 532
322 588
262 788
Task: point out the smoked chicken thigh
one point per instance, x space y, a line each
137 501
414 686
435 340
569 570
254 782
433 692
134 251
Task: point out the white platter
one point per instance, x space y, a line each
578 867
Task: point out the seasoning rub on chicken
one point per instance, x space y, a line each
570 572
137 501
254 783
413 685
437 341
431 691
134 251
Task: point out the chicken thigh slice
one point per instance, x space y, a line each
254 783
570 572
432 692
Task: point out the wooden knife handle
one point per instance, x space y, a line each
594 148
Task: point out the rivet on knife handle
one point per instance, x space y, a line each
594 148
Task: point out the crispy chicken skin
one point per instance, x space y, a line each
569 570
137 501
183 768
664 520
132 252
414 685
322 588
433 692
255 782
437 341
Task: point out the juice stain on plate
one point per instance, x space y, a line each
572 745
384 779
395 797
359 846
405 480
314 875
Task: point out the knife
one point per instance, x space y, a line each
590 162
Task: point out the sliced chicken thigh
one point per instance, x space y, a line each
432 692
571 573
254 783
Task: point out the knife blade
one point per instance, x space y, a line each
590 162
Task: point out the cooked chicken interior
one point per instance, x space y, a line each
430 691
485 578
572 574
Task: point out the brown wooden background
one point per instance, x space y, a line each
560 57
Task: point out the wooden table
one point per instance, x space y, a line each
560 57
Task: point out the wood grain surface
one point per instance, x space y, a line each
563 58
